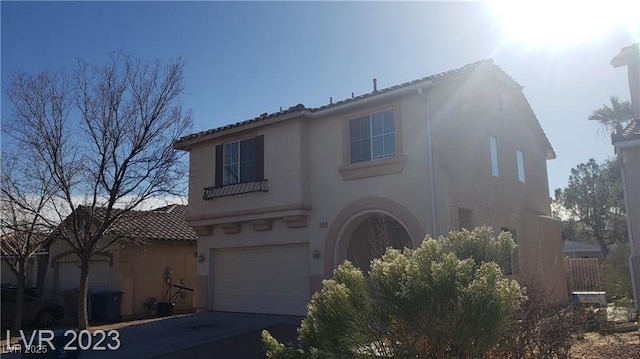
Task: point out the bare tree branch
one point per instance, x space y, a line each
102 137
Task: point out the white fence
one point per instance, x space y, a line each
583 274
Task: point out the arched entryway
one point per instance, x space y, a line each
352 216
371 238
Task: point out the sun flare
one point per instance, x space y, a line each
563 23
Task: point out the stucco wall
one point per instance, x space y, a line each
631 162
630 157
465 115
282 169
138 272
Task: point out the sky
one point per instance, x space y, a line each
247 58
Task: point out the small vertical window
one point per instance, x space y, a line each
231 163
493 147
520 163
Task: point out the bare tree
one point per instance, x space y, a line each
105 136
23 230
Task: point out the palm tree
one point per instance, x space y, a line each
614 116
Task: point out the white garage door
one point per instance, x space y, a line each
267 279
69 275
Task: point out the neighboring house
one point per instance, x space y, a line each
573 249
281 200
36 266
152 245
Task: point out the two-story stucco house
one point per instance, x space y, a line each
280 200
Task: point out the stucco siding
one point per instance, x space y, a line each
282 169
140 274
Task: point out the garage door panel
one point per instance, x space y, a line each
69 275
269 279
263 304
247 288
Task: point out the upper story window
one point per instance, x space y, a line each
240 161
520 164
372 137
493 148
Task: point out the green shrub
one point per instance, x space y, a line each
616 276
447 298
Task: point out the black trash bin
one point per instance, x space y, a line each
60 340
105 306
165 309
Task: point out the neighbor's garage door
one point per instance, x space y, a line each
69 275
267 279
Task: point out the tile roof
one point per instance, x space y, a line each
300 108
573 246
166 223
631 132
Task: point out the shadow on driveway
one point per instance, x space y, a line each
198 335
201 335
247 345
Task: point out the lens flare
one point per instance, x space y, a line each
563 23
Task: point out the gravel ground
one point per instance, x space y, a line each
617 345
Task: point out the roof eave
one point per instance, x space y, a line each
372 99
626 143
185 145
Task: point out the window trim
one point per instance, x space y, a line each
520 166
374 167
369 118
495 158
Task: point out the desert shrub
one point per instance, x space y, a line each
616 276
594 320
426 303
481 245
540 329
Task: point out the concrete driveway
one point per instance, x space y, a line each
198 335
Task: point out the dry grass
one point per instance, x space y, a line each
615 345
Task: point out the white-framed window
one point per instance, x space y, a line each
372 137
239 164
493 148
520 164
